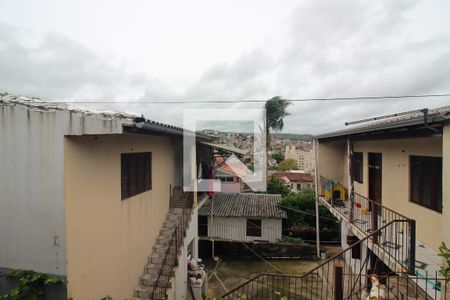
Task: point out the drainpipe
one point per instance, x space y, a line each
316 183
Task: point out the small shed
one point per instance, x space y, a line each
242 217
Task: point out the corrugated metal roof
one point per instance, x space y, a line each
40 105
243 205
436 115
130 120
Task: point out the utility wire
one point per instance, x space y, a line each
306 213
262 258
357 98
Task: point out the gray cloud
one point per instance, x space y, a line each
328 49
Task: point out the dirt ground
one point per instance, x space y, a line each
228 273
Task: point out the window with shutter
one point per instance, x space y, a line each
426 181
357 167
254 227
136 173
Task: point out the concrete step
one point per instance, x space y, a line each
161 251
166 232
171 223
153 269
149 285
162 240
173 216
160 247
158 258
152 280
142 291
176 210
160 294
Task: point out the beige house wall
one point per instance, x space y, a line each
109 239
331 161
395 181
446 186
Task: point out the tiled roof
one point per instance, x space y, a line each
235 169
396 120
242 205
284 179
295 176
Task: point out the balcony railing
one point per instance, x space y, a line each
343 276
367 216
178 200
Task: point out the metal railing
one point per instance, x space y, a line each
343 276
368 216
184 201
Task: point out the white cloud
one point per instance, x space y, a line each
256 50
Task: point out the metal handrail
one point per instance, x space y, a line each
382 206
177 236
319 266
387 215
317 284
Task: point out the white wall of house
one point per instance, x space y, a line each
32 227
179 288
230 187
300 185
357 265
235 228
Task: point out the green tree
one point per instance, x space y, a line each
278 157
275 186
301 210
287 164
444 252
276 110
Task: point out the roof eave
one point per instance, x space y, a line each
437 119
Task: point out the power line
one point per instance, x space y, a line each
307 213
337 99
262 258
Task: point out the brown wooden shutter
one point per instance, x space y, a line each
124 184
135 173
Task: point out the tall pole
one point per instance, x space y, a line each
212 227
351 188
316 185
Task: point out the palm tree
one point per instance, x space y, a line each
276 110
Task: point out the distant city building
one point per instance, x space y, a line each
303 156
305 160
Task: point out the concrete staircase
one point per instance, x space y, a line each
150 287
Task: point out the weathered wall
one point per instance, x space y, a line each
331 161
32 230
235 228
179 288
446 186
109 239
395 181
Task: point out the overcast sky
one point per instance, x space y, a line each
229 50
